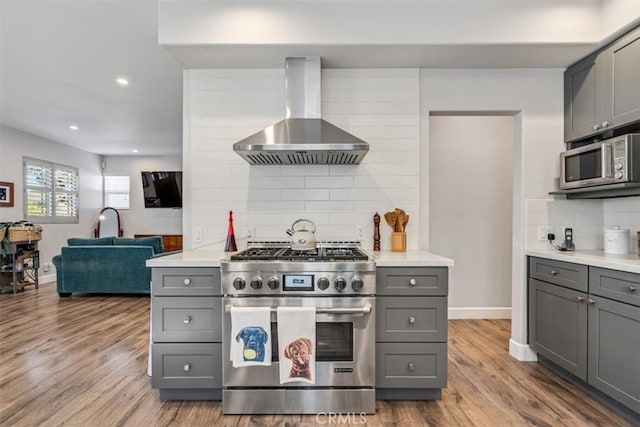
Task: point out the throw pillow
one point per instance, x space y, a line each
154 241
102 241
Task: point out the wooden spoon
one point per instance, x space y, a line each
391 219
406 221
402 217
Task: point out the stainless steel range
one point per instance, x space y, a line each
339 281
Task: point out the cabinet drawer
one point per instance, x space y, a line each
411 365
185 281
187 319
574 276
411 319
412 281
617 285
186 366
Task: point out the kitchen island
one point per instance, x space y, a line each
410 324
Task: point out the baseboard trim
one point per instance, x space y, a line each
479 313
522 352
46 278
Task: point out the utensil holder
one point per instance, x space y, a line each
398 241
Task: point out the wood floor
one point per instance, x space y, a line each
82 361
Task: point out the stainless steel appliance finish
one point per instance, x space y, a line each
612 161
343 293
302 137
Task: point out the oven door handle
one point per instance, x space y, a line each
355 311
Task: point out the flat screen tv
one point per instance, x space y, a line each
162 189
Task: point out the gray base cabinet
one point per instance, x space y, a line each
411 332
589 326
186 333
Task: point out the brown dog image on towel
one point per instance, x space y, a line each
298 351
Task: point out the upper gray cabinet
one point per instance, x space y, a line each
602 91
583 98
622 80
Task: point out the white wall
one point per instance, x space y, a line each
14 145
224 106
138 219
536 96
470 206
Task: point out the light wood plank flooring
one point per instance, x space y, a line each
82 361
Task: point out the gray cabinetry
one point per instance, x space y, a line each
583 98
186 333
589 326
558 325
622 80
602 91
411 332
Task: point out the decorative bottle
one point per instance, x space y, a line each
230 245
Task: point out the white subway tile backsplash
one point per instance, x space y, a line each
377 105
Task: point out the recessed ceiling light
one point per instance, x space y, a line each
73 127
135 151
122 81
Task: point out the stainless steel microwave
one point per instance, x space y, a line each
612 161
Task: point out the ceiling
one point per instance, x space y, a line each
60 59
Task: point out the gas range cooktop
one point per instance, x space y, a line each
285 253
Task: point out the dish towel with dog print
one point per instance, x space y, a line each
297 344
250 336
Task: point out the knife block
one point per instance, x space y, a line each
398 241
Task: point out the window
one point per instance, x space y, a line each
51 192
116 192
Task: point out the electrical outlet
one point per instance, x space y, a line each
360 233
543 230
47 267
197 234
251 232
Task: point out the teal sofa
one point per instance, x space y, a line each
106 265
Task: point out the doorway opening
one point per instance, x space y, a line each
471 199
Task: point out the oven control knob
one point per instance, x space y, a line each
357 284
273 283
239 283
341 284
619 166
323 283
618 175
256 283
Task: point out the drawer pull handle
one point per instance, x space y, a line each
554 273
632 288
412 319
412 282
580 299
187 320
187 367
590 301
411 366
187 281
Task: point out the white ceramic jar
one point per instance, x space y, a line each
616 241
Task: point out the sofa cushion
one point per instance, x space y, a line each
154 241
102 241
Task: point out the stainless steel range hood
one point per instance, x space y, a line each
302 137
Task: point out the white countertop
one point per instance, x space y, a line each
410 259
629 263
211 258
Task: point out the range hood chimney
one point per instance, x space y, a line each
302 137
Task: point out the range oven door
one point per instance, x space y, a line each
345 343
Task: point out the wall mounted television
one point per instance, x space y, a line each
162 189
